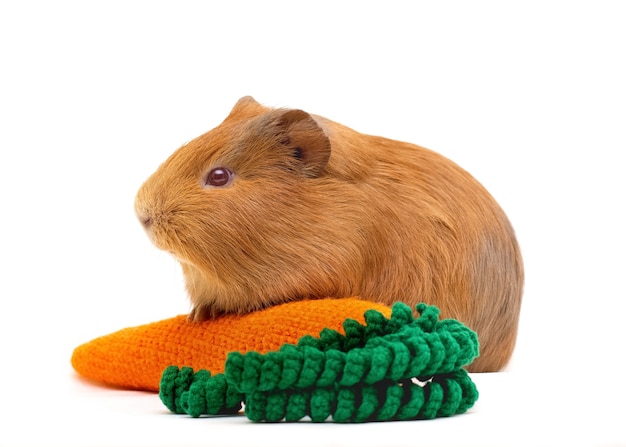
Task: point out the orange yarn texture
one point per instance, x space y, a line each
135 357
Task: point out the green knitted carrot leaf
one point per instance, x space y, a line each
386 369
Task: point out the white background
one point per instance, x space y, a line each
530 97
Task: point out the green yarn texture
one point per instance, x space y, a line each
399 368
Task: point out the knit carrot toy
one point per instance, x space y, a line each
345 359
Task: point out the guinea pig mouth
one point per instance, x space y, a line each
175 256
167 248
157 241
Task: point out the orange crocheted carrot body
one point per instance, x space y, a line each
135 357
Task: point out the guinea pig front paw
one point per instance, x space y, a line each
202 313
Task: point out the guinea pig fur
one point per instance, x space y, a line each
276 205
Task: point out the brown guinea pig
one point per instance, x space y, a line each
276 205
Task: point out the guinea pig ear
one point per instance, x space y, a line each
246 107
307 141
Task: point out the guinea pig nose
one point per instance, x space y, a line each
145 220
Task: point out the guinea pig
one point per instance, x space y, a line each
274 205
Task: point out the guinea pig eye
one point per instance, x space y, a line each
218 177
